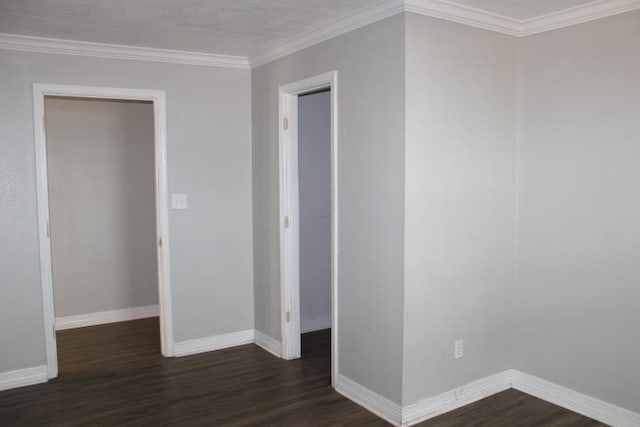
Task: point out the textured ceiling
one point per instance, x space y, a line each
523 9
228 27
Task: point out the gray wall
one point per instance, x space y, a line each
209 157
574 115
370 65
100 157
314 170
460 204
579 204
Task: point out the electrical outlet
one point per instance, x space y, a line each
179 201
458 350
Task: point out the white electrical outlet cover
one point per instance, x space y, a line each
178 201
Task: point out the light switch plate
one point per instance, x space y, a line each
178 201
458 350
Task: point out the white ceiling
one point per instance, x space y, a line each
225 27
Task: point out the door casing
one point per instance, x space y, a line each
158 98
290 214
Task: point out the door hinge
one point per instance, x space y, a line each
48 229
160 242
288 316
286 221
285 123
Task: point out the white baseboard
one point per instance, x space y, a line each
102 317
477 390
315 324
574 401
370 400
23 377
456 398
268 343
388 410
215 342
218 342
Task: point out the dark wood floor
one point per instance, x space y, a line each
114 375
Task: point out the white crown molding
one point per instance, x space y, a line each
355 20
112 51
450 11
466 15
577 15
103 317
441 9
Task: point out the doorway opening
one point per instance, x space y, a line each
103 218
308 208
314 184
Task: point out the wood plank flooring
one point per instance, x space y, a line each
114 375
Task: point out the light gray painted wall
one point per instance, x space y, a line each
460 204
314 170
370 65
209 158
100 157
578 297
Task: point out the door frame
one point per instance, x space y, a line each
158 98
290 213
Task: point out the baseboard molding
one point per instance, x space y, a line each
386 409
477 390
370 400
218 342
315 324
268 343
23 377
103 317
456 398
574 401
212 343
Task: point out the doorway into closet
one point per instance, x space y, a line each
308 208
102 218
314 185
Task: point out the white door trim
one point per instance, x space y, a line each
162 207
289 213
